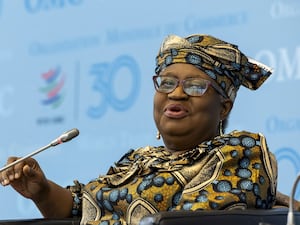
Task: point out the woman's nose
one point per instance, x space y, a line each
178 93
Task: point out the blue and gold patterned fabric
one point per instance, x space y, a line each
232 171
220 60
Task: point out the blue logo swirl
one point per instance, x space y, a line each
293 158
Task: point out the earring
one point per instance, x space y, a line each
158 135
221 128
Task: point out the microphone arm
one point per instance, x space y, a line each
290 217
67 136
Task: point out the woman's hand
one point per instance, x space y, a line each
26 177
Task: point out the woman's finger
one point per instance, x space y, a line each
4 178
11 173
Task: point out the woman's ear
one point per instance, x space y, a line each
226 108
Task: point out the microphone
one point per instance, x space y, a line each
66 136
290 217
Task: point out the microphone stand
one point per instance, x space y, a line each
67 136
25 157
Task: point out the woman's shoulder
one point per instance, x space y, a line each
245 133
244 138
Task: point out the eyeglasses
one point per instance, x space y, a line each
191 86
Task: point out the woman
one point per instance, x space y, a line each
199 167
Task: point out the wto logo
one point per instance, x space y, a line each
52 90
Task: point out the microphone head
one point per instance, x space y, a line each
69 135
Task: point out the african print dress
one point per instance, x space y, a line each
233 171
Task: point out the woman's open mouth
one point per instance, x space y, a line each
176 111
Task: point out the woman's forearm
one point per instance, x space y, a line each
56 202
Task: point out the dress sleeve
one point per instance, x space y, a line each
77 188
76 191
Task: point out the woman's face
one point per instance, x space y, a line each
186 121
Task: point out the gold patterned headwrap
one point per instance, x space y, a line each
220 60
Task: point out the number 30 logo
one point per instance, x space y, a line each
106 76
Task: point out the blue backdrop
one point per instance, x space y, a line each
88 64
